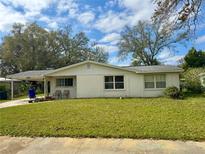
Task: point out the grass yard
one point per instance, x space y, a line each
2 101
157 118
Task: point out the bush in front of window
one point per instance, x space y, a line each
173 92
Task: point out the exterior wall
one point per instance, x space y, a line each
93 86
172 79
89 86
89 82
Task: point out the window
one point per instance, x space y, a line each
109 84
64 82
160 81
114 82
119 82
149 81
155 81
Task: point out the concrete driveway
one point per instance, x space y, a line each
17 103
14 103
24 145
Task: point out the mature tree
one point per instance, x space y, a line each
30 47
78 48
26 49
183 13
146 41
194 58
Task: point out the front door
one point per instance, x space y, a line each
48 87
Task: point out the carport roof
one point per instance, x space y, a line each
6 80
36 75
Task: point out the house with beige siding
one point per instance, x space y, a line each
93 80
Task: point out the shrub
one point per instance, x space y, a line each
173 92
2 88
194 87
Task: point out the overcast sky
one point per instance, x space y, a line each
101 20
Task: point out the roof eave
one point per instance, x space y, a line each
151 72
92 62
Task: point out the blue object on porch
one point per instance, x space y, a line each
32 93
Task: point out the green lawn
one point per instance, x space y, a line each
2 101
158 118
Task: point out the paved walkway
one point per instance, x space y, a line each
24 145
14 103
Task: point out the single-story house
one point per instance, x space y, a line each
92 79
202 79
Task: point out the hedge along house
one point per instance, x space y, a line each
92 79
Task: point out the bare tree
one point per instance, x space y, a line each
184 13
146 41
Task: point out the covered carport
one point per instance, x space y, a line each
10 82
35 75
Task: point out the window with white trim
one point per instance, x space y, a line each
149 81
155 81
160 81
109 82
114 82
64 82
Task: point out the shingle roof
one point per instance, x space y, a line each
136 69
39 74
154 68
36 74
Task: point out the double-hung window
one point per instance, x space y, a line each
64 82
114 82
119 82
109 82
160 81
149 81
155 81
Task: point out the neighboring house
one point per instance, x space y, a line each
92 79
202 79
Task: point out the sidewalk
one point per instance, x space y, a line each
25 145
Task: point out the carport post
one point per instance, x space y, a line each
45 87
12 89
